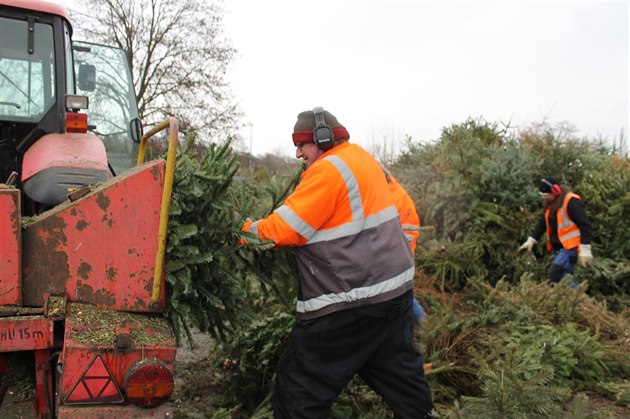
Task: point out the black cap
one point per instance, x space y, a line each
546 184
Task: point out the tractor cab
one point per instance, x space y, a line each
68 112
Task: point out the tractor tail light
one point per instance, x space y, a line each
76 122
149 383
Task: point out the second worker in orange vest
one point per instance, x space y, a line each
569 230
410 221
355 290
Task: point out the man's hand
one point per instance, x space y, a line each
585 256
528 245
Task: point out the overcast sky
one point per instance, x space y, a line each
388 69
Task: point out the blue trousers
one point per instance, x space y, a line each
563 264
418 311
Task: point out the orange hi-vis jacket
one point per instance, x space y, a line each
568 232
351 250
406 210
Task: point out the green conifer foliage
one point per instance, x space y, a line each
478 185
511 390
205 269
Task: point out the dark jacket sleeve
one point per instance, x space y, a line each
540 228
579 217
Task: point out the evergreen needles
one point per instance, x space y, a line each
205 270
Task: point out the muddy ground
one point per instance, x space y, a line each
196 385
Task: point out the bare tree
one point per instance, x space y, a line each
384 145
177 55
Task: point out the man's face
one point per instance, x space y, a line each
308 152
547 197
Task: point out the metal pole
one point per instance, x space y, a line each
251 144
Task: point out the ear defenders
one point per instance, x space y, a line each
555 188
322 133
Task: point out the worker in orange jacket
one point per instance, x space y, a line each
410 221
568 228
355 289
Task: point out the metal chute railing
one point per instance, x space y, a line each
171 153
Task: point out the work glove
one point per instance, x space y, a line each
585 256
528 245
245 227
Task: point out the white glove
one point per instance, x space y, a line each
528 245
585 257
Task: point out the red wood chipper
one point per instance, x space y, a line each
82 228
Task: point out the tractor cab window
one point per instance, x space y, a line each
27 70
102 74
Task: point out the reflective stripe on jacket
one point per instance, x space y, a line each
406 211
568 231
351 249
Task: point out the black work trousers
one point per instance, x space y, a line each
324 354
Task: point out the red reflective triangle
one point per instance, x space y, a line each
95 386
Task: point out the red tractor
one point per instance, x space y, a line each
82 229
